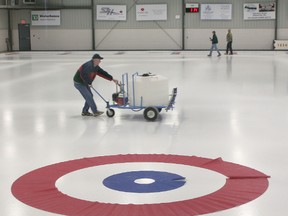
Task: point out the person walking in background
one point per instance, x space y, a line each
229 39
214 41
83 79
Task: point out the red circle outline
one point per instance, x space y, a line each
37 188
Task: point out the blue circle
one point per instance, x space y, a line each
160 181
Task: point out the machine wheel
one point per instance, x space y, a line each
110 113
151 113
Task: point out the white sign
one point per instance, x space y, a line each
151 12
259 11
111 12
45 18
216 11
281 44
192 5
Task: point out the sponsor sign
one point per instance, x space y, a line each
111 12
45 18
216 11
259 11
148 12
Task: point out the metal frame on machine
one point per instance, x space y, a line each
150 112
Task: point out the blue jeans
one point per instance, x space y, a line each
86 92
214 46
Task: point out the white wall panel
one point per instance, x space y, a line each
66 39
3 36
283 34
133 39
3 29
257 39
15 39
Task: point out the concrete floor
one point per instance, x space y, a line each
233 107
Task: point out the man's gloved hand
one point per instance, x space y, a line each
116 81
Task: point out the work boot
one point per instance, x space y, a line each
98 113
86 114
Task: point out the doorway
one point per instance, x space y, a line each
24 37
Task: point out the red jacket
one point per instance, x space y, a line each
87 73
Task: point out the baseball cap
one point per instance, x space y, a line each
96 56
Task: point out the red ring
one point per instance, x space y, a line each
37 188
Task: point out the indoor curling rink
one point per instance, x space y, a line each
221 151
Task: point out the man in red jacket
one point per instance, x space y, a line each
83 80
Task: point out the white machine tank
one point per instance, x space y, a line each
149 90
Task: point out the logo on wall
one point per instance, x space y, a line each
35 17
45 18
111 12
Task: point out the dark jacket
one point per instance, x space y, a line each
87 73
214 39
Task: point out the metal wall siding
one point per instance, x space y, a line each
174 8
76 3
76 19
283 14
18 15
79 18
237 22
57 3
4 19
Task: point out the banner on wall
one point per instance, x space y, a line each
111 12
45 18
259 11
148 12
216 11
